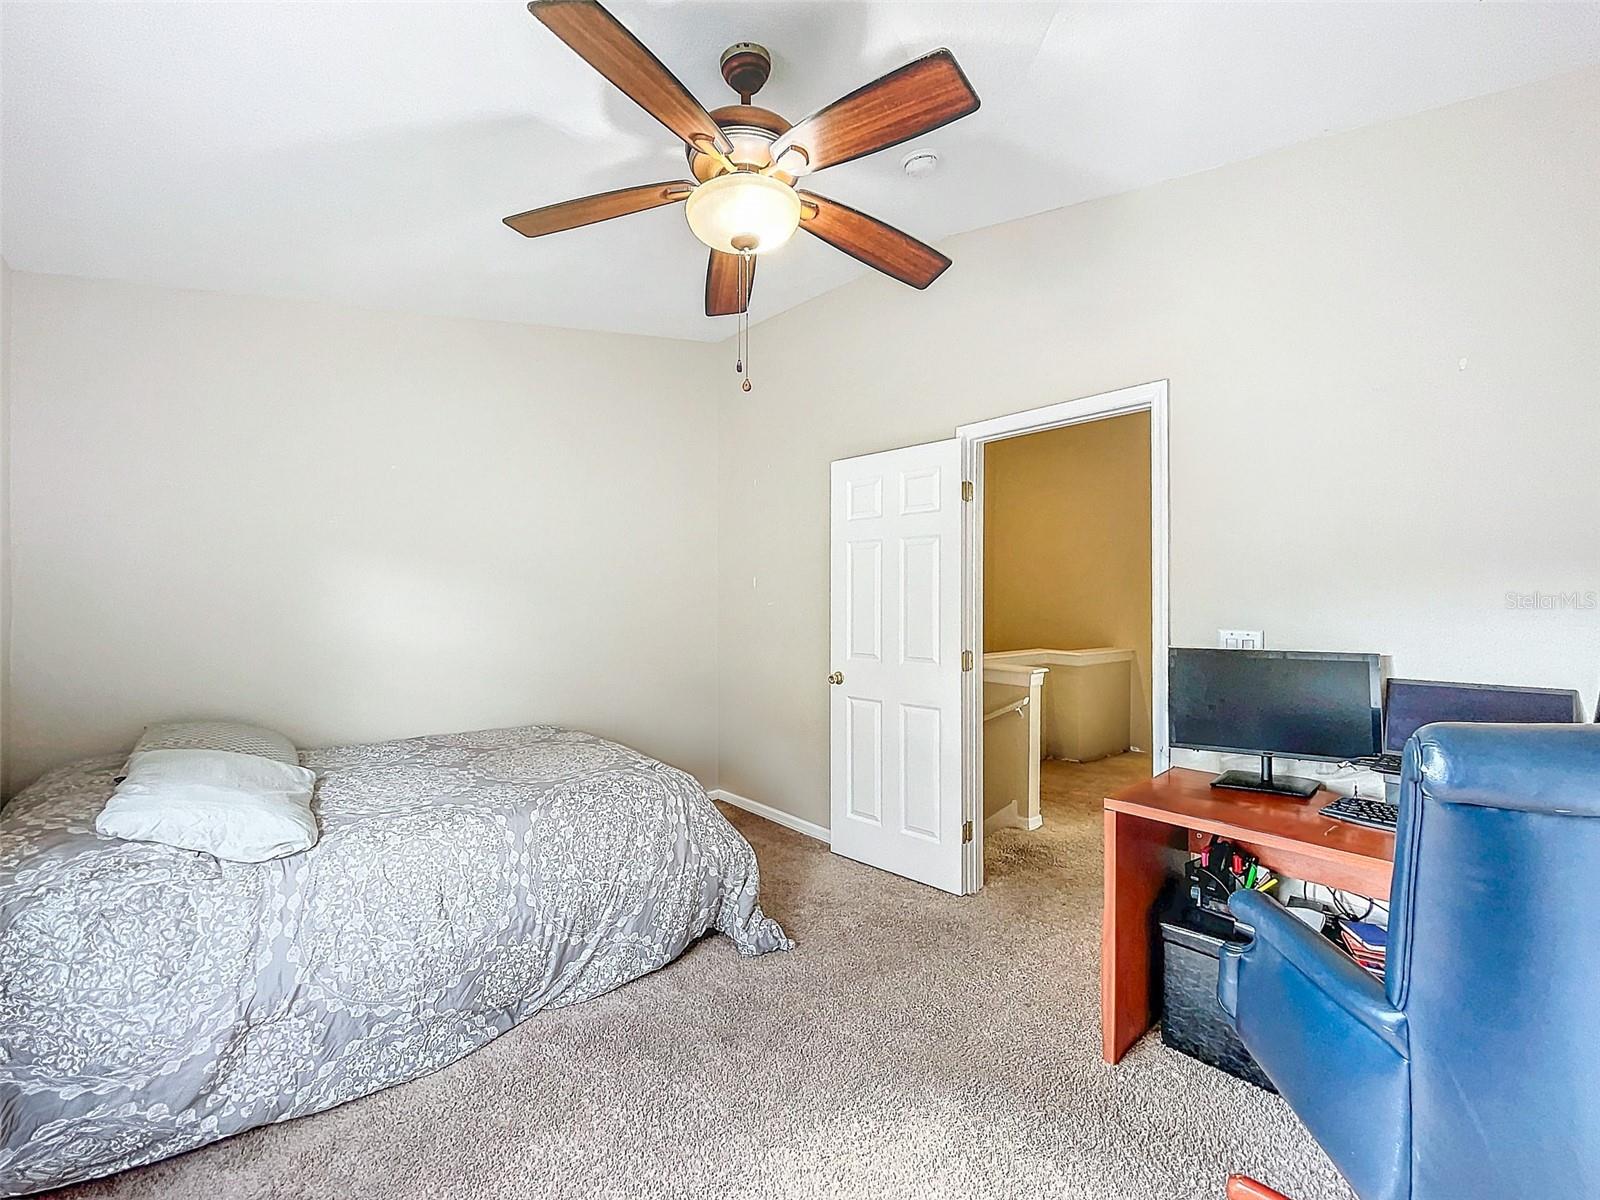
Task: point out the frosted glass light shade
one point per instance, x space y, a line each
727 211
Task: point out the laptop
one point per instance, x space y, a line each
1409 704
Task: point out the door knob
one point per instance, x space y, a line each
836 678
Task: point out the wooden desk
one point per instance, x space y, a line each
1180 809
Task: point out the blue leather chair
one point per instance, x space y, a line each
1473 1072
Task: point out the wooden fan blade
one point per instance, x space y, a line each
603 42
919 97
722 284
570 214
870 240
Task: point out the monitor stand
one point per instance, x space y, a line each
1265 781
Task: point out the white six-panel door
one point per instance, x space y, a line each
895 699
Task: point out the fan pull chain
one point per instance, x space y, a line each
742 336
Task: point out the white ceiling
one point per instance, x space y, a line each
365 153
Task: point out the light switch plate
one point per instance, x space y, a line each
1240 639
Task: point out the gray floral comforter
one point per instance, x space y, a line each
154 999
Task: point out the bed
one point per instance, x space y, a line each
154 999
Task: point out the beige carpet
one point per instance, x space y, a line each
916 1045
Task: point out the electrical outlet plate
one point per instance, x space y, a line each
1240 639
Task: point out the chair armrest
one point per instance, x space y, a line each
1334 974
1326 1035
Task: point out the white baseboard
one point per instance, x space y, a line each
1006 818
775 815
1009 818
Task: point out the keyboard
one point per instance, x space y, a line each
1360 810
1384 764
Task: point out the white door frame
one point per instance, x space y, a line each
1145 397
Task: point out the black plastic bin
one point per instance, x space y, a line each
1192 1019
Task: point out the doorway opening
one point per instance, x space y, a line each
1065 604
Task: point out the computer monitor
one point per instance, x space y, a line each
1409 704
1298 704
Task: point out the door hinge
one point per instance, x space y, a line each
966 660
966 832
966 489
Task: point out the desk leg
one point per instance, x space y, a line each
1135 874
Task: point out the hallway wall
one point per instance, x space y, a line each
1067 545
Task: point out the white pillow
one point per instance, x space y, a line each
215 735
218 735
240 807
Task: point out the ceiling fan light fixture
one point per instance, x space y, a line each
743 210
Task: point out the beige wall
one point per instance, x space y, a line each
1382 352
352 525
1066 542
1383 361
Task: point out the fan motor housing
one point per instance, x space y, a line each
751 130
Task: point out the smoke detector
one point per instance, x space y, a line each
920 163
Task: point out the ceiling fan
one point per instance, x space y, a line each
746 161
